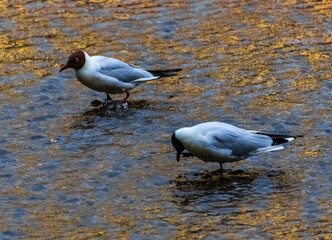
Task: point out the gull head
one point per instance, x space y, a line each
178 147
76 61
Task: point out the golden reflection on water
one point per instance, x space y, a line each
245 48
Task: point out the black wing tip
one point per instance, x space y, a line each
176 69
272 135
165 72
280 138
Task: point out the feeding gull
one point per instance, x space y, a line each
221 142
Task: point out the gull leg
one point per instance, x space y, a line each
221 170
108 97
127 96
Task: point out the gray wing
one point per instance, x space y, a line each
239 141
122 71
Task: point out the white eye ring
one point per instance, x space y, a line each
76 59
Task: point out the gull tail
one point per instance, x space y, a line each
145 79
277 144
165 73
280 138
267 149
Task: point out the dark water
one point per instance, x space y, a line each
70 170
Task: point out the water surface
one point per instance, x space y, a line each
72 170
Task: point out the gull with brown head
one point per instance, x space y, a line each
110 75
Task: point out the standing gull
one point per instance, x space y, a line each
221 142
110 75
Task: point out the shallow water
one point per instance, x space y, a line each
71 168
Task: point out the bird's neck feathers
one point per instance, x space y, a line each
87 60
184 133
87 65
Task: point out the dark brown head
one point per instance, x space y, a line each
76 60
178 147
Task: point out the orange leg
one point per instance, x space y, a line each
127 96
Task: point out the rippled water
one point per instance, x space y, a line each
70 169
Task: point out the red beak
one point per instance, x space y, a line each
63 67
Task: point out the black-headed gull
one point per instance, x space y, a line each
221 142
110 75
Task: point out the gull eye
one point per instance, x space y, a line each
75 59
